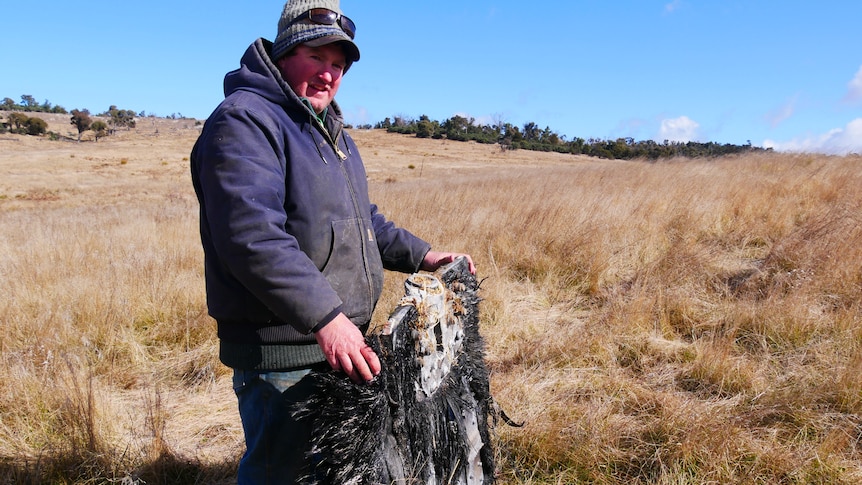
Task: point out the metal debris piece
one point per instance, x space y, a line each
426 418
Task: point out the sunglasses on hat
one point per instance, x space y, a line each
324 16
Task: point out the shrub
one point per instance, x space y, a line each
36 126
17 121
100 129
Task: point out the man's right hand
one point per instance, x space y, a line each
346 350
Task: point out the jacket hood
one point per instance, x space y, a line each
258 74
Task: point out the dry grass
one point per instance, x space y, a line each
676 322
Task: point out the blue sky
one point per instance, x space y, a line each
781 73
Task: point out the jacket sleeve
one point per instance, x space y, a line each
241 170
400 250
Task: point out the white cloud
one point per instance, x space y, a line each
682 129
838 141
782 113
854 88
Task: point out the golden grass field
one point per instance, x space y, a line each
679 322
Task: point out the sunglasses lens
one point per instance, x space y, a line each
348 26
322 16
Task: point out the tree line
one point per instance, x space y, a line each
18 122
531 137
29 103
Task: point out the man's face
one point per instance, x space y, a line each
314 73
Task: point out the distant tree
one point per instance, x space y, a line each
620 148
510 137
17 121
28 102
404 125
498 122
531 131
577 145
81 120
401 121
121 117
545 135
425 129
456 128
8 104
25 125
36 126
385 124
100 129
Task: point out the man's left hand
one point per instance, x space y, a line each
435 259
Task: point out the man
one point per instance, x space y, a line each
294 250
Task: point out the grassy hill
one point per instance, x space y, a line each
688 321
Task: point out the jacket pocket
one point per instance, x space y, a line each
354 269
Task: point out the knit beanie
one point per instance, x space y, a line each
291 34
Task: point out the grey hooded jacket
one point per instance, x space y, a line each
290 237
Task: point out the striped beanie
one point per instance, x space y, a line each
291 34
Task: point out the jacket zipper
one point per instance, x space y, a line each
364 243
332 143
362 236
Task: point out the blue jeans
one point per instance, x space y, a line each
275 442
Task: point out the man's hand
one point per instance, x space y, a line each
435 259
345 349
